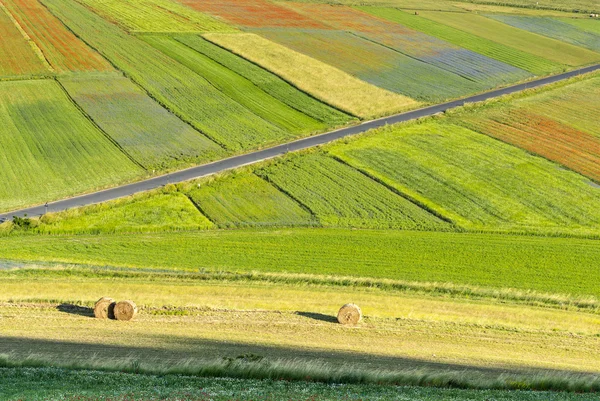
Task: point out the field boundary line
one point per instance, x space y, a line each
257 156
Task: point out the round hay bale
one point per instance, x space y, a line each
349 314
125 310
104 308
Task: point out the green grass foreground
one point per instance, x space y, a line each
49 384
545 264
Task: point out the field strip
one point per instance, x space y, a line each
28 39
269 153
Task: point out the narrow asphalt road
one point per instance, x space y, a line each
268 153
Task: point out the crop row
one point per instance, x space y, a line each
338 195
17 57
175 86
156 16
49 149
321 80
63 50
475 181
553 28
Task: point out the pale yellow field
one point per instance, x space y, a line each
321 80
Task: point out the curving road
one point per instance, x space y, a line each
268 153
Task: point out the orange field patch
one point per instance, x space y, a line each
63 50
551 139
16 55
253 13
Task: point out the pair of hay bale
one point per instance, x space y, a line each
349 314
107 308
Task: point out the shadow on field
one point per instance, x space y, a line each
76 310
318 316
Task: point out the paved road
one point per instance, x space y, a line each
254 157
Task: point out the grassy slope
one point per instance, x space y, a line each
154 137
327 83
54 384
541 46
544 264
519 58
237 87
267 81
473 180
49 149
340 196
184 92
243 199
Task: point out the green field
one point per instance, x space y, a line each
156 16
541 46
150 134
267 81
243 199
518 58
50 150
184 92
237 87
341 196
53 384
555 265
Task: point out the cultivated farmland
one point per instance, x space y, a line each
548 48
484 71
184 92
323 81
150 134
553 28
156 16
237 87
472 180
17 54
63 50
509 55
341 196
243 199
267 81
50 150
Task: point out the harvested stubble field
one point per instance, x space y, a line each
289 330
506 54
49 149
17 55
243 199
555 265
541 46
63 50
327 83
553 28
150 134
156 16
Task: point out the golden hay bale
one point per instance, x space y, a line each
349 314
104 308
125 310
